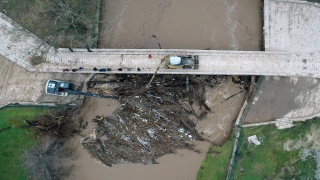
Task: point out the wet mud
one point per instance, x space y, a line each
279 97
218 124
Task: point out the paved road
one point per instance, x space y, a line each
210 62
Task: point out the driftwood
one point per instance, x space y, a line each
151 121
58 123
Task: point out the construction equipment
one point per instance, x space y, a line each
182 61
63 88
155 73
177 61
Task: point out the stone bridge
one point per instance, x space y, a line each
291 40
210 62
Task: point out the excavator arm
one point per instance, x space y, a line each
88 94
155 73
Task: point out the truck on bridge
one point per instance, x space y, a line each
182 61
177 61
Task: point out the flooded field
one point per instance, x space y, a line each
182 24
173 24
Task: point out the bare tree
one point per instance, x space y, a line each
45 161
60 23
74 20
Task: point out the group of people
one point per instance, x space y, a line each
102 69
96 69
88 49
73 70
109 69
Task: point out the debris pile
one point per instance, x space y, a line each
150 122
58 123
254 139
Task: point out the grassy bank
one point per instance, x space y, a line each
215 164
283 154
15 141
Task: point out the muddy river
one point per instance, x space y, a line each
182 24
182 165
170 24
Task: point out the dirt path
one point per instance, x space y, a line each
182 24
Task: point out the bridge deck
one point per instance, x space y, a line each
210 62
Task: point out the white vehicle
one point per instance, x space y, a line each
182 61
63 88
58 88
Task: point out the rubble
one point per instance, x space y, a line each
58 123
253 139
149 122
284 123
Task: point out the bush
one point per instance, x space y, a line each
45 161
36 60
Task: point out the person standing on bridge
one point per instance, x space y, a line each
88 49
103 70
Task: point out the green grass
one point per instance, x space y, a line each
216 167
15 141
267 161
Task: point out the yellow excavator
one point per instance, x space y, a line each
182 61
177 61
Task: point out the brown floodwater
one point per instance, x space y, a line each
182 24
170 24
183 164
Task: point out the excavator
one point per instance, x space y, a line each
176 62
182 61
63 88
